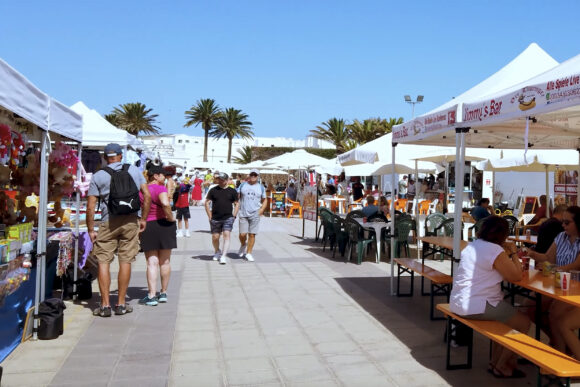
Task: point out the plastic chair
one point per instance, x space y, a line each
424 207
433 206
402 231
321 211
355 214
326 218
356 238
447 228
355 204
473 230
432 222
293 206
340 237
401 205
513 222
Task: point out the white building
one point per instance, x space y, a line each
185 150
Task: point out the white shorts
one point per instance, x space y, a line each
250 225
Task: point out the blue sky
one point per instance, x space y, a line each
290 65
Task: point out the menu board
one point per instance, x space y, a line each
278 203
309 203
530 204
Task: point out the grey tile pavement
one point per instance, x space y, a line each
295 317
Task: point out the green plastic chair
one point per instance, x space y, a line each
512 221
355 214
340 237
356 238
321 211
432 222
473 230
402 231
328 230
447 228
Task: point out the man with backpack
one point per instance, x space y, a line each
116 187
252 205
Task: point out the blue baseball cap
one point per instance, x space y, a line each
113 149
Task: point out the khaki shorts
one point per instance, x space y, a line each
119 234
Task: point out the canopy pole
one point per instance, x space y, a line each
492 189
41 230
459 177
77 221
416 208
578 179
547 192
392 211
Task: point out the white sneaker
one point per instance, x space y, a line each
249 257
242 251
223 260
187 234
179 234
217 255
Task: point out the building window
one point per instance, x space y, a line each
187 141
179 141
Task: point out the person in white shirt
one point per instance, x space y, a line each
477 294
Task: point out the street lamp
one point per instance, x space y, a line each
409 100
212 156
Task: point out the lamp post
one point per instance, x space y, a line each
212 156
409 100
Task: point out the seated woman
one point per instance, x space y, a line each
477 294
565 253
383 206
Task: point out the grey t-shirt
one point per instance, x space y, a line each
101 182
251 196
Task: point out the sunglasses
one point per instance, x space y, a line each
254 174
566 222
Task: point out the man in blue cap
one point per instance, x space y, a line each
120 224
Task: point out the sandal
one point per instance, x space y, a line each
516 374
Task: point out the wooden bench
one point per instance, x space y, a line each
548 359
440 282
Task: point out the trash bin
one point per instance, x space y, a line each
51 316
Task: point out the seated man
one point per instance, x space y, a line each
548 230
371 208
481 210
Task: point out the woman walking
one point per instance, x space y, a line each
197 190
158 238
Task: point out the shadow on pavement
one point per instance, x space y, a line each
407 318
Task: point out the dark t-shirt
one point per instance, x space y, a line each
357 191
478 212
547 233
222 200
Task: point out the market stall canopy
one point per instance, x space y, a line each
65 121
359 155
20 96
331 167
438 126
98 132
384 169
543 112
447 155
546 160
298 159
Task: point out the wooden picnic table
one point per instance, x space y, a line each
437 245
542 285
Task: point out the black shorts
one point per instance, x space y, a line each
182 213
159 235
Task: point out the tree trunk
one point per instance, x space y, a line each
229 149
206 137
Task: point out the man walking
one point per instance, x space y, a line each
117 186
224 209
252 205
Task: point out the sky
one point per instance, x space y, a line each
289 65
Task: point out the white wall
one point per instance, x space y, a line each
532 183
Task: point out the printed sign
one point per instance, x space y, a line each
278 202
309 202
425 126
565 187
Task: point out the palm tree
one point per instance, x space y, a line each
232 123
386 125
135 118
363 132
206 112
334 131
245 156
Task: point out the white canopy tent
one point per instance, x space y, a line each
298 159
98 132
442 126
20 96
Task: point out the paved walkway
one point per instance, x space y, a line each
294 317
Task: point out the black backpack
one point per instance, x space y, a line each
123 192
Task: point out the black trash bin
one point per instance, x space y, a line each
51 316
